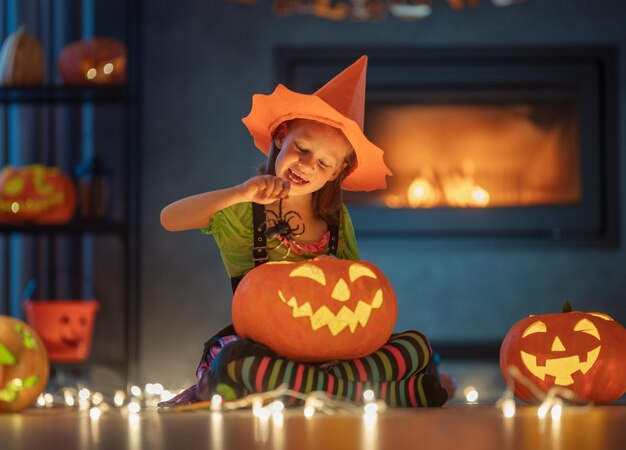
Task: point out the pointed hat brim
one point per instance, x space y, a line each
269 111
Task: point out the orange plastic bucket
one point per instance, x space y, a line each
65 326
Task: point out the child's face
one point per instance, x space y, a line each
311 154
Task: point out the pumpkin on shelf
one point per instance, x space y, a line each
36 194
581 351
316 310
21 60
24 367
100 60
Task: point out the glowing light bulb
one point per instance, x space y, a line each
542 411
95 413
277 406
15 207
371 408
471 394
119 398
508 407
557 410
68 397
158 388
48 398
134 407
309 411
107 69
97 398
41 400
91 73
368 395
84 393
136 391
166 395
216 402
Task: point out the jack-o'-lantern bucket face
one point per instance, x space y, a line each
316 310
24 365
579 351
66 327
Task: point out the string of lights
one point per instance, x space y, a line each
270 404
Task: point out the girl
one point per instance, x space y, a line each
315 147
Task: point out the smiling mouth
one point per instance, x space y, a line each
561 369
70 342
336 322
295 178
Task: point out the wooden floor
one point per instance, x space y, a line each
458 426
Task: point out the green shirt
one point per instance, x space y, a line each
233 232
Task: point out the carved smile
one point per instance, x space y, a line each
561 369
335 322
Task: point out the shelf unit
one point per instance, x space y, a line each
104 249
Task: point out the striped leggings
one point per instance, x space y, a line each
400 373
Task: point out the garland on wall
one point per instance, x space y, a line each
370 10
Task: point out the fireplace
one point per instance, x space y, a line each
494 143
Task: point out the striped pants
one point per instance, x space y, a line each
400 373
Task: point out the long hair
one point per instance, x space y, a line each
328 199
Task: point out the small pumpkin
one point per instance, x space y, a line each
100 60
36 194
21 60
316 310
24 367
581 351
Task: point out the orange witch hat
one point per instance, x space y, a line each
339 103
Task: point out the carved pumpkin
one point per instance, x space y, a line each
21 60
36 194
66 327
99 60
24 365
583 352
316 310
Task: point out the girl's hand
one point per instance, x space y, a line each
265 189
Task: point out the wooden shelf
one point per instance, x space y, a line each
72 228
65 94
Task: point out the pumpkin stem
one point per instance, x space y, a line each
567 307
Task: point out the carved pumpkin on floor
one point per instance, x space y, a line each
66 327
316 310
100 60
36 194
24 365
581 351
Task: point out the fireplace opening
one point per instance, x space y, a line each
501 143
516 150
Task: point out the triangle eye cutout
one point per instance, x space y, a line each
535 327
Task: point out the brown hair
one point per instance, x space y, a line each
327 200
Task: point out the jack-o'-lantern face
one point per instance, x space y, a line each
37 194
67 332
316 310
557 360
354 299
100 60
72 329
66 327
24 365
582 352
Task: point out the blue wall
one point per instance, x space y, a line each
203 60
